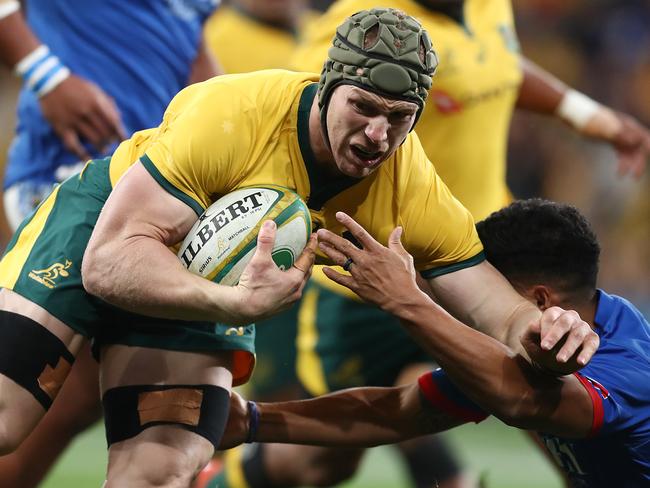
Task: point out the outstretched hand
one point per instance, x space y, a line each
80 111
381 275
632 145
265 288
629 138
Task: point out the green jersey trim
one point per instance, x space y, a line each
442 270
168 187
322 184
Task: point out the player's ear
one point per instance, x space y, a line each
542 296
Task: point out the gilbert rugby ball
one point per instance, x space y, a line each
224 239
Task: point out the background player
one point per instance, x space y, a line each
277 25
482 76
595 422
85 89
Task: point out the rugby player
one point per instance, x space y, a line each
343 142
276 25
595 422
90 97
463 129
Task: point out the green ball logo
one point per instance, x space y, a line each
283 258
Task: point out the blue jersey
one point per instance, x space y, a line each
617 451
139 52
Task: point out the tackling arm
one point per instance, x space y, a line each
492 374
498 379
357 417
481 297
501 382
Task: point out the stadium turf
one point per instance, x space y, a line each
503 456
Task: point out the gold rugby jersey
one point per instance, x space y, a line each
464 126
243 43
243 130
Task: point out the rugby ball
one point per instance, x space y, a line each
224 239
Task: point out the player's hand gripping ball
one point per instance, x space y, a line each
223 239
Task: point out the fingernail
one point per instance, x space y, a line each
268 225
562 358
546 344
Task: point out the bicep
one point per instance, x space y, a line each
139 207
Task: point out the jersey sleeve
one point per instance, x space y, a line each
438 391
617 382
438 231
204 130
618 395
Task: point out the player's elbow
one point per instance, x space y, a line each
96 273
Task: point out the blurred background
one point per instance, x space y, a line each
602 48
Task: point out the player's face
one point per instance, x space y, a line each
364 129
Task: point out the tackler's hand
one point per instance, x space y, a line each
381 275
560 342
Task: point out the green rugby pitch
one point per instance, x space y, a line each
503 456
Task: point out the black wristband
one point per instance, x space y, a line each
253 421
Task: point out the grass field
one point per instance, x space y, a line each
504 457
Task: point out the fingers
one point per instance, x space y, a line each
73 144
395 241
265 240
550 331
557 325
341 279
89 128
589 347
336 256
359 233
339 244
306 259
111 117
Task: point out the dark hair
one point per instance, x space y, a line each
542 242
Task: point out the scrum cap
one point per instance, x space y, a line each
382 50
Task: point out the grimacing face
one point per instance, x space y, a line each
364 128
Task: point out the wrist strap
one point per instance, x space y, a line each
8 8
41 71
253 421
576 108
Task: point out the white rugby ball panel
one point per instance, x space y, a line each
224 238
